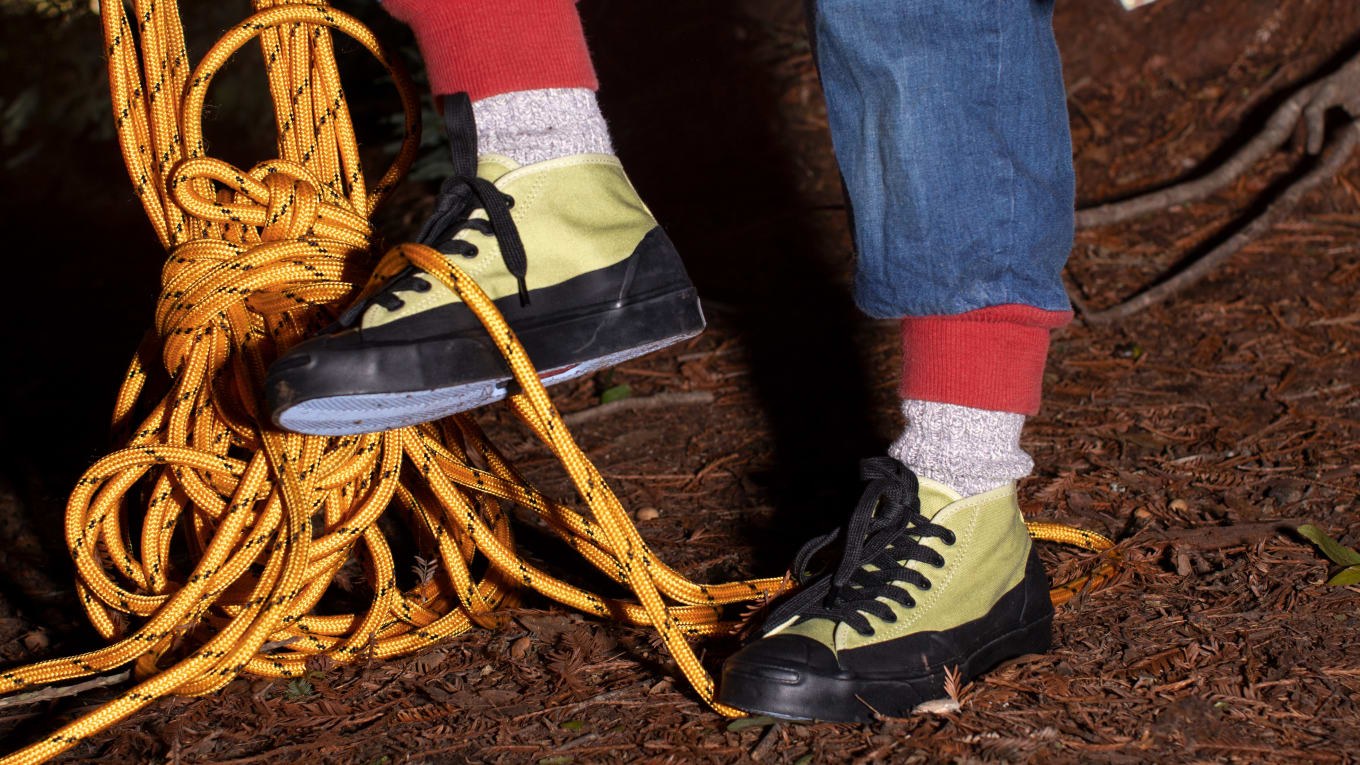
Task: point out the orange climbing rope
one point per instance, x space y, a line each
257 260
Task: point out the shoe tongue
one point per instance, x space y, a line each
491 167
934 496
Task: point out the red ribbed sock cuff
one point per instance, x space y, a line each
992 358
490 47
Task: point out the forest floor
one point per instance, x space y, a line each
1197 433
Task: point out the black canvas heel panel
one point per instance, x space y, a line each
1038 601
654 267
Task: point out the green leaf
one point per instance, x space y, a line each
1347 576
1339 553
615 393
749 722
573 725
298 688
804 760
561 759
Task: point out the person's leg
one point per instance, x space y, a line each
949 124
950 127
537 211
525 66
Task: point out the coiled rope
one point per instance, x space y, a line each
256 261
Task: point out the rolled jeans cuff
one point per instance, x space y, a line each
991 358
489 47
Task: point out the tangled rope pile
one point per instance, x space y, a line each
258 260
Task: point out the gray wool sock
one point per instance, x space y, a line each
531 126
969 450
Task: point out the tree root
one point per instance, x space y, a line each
1307 108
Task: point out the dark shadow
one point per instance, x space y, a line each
695 119
84 263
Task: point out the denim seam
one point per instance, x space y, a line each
1007 246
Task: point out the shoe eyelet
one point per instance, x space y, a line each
423 286
951 540
509 202
472 253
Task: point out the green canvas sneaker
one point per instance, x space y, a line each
565 248
929 582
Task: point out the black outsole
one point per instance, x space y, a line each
856 699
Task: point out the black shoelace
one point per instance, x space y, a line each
885 530
459 197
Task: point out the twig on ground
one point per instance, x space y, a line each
579 742
1218 537
766 743
276 644
66 690
617 695
658 401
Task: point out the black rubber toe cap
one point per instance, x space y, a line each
347 362
783 656
791 677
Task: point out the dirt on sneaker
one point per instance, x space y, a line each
1198 432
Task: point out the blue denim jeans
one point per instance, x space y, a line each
949 121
